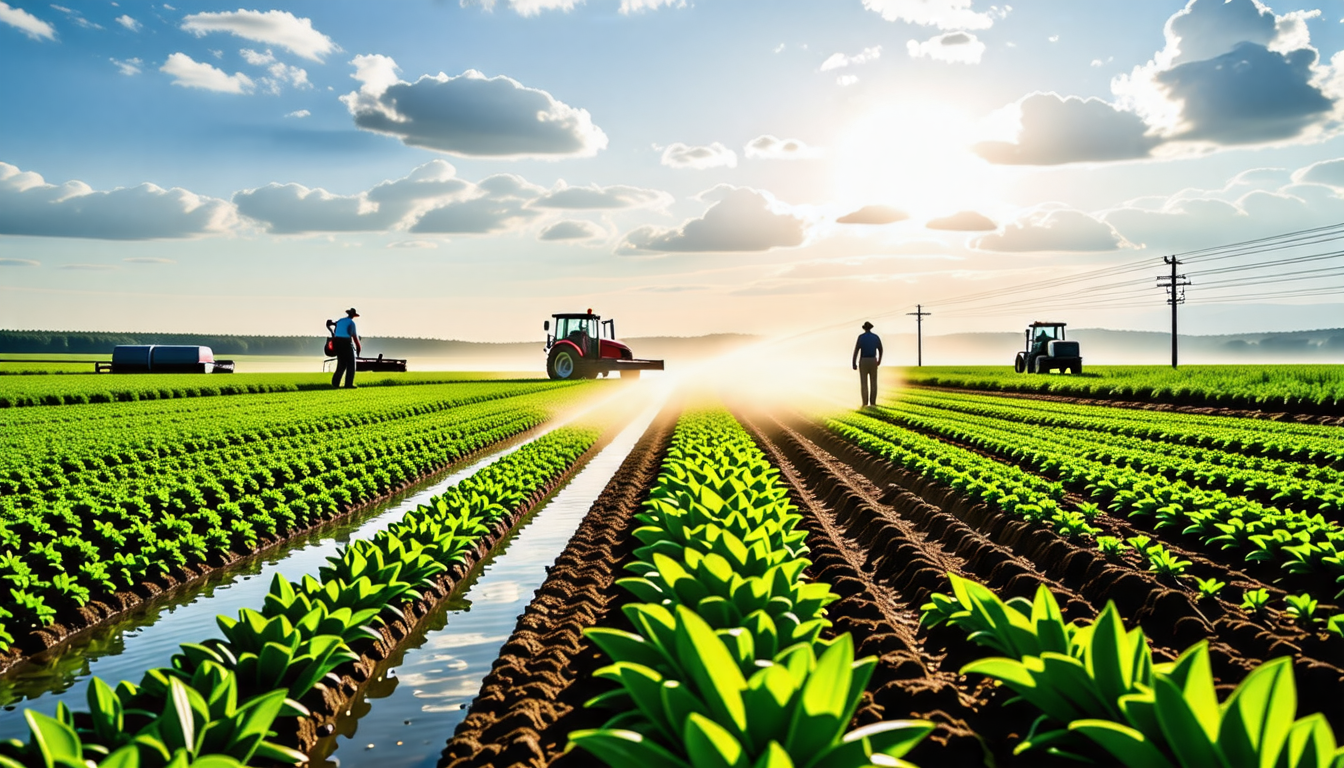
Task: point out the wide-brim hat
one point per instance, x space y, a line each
351 312
867 326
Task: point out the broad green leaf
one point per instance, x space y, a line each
1310 744
1129 747
1258 715
1192 674
712 669
622 748
1185 734
1109 660
709 745
55 740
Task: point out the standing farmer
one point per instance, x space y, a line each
867 356
347 345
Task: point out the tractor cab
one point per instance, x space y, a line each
1047 349
584 346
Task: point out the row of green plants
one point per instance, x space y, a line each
22 391
1234 386
1297 543
1102 699
217 704
1303 486
726 667
1307 445
60 556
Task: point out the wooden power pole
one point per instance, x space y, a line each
1175 286
919 315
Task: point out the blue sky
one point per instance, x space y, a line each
462 170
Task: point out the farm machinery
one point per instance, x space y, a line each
584 346
1047 350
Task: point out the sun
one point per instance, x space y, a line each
915 157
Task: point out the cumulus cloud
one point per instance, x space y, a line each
1053 228
470 115
640 6
1328 172
31 206
26 23
501 206
280 28
18 263
571 229
846 80
943 14
678 155
597 197
963 221
298 113
1057 129
296 209
741 219
128 67
950 47
129 23
873 214
189 73
278 72
767 147
840 60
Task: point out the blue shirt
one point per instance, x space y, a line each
345 328
868 345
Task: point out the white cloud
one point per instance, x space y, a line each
1328 172
18 263
943 14
26 23
31 206
769 147
678 155
950 47
413 244
129 23
500 206
962 221
296 209
298 113
469 115
840 60
1056 130
846 80
639 6
1053 228
257 59
76 17
873 214
129 66
741 219
189 73
571 229
534 7
270 27
597 197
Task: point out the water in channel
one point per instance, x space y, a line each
406 715
150 636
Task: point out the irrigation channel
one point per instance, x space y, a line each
149 637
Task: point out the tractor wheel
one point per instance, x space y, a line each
1076 369
1043 364
1020 364
563 365
630 374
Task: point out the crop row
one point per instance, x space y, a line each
22 391
1290 387
1101 699
215 705
1296 542
1306 445
96 540
726 666
1302 486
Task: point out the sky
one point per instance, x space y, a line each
465 169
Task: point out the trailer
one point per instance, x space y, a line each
377 364
165 358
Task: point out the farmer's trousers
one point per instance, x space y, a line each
345 362
868 380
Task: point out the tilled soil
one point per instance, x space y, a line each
533 696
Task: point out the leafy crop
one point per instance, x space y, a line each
1099 681
726 666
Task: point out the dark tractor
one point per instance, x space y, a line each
584 347
1047 350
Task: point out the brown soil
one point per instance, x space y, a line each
116 607
533 697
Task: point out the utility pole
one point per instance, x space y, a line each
1173 283
919 315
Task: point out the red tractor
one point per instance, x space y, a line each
584 347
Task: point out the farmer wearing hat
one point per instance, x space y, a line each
347 345
867 356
